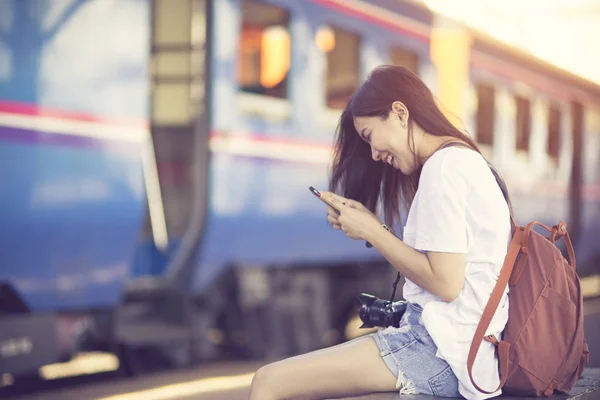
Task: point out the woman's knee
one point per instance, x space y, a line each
264 384
260 377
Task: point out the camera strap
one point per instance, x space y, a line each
395 285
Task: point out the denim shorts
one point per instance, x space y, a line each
410 353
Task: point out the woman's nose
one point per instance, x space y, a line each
375 154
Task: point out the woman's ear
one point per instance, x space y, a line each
401 111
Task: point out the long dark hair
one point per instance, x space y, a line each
354 174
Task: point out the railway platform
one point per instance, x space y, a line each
587 388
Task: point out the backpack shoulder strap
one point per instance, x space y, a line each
490 310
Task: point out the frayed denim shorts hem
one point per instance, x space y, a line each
410 354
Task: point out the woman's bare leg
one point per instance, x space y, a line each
352 368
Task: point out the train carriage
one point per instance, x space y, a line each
157 190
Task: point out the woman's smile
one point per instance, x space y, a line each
390 160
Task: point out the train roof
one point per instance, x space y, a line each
486 44
415 10
494 47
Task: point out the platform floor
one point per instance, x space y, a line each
587 388
231 380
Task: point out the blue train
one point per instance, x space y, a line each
156 154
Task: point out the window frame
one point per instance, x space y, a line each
360 43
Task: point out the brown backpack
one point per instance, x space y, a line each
543 348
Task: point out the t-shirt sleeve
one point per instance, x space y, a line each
440 220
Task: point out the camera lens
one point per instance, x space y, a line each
366 301
373 311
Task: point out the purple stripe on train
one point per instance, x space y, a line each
32 136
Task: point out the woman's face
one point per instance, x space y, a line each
388 138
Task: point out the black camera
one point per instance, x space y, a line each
376 312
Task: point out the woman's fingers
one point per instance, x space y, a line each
336 197
332 218
331 212
336 200
355 204
334 222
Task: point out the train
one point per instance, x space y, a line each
155 159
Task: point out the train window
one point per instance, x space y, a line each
264 49
405 58
554 122
171 70
485 113
343 68
523 123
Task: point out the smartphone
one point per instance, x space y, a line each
318 194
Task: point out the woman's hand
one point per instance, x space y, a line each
354 219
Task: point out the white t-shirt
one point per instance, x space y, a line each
459 208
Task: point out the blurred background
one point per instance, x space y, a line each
156 230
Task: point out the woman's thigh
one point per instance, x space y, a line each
351 368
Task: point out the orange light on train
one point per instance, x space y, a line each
325 39
275 55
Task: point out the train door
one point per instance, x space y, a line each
152 321
177 193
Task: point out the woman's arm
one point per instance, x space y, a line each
441 274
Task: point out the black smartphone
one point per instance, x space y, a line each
318 194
